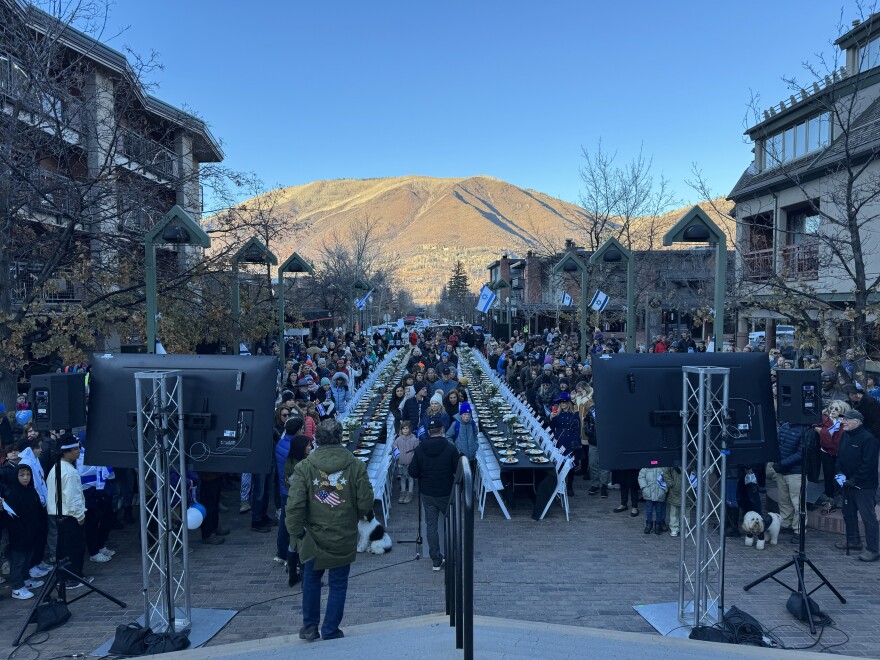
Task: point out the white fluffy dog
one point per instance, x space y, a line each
754 525
373 538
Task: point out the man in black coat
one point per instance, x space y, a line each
866 405
857 459
434 464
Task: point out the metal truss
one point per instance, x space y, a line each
163 500
704 468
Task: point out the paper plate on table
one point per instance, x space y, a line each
508 452
496 433
525 445
500 445
534 452
366 445
539 459
364 459
510 459
362 452
490 425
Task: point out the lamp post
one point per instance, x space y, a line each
359 288
294 264
509 320
570 263
176 227
695 226
252 252
612 251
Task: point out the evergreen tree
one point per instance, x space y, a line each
457 289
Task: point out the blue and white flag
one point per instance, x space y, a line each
599 301
363 301
566 299
487 297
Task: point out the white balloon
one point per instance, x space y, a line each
194 518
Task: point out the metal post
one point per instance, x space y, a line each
705 394
236 310
630 306
583 314
720 289
164 539
281 340
150 276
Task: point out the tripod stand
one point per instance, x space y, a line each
418 540
60 574
800 560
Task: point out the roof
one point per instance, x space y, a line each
206 146
859 33
863 141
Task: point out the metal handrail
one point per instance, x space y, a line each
460 559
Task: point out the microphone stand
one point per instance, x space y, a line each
60 574
800 560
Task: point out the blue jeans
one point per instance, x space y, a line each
260 497
283 540
658 509
311 591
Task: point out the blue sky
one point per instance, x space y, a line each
299 91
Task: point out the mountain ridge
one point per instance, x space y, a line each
430 222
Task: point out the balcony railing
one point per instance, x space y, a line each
147 153
801 261
60 288
52 193
758 265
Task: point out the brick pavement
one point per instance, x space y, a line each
589 572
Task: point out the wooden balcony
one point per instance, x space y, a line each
801 261
757 265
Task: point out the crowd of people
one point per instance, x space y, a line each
315 491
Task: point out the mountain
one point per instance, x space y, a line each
429 222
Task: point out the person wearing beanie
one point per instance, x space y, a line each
462 432
436 410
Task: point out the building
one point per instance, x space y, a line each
89 161
806 206
673 290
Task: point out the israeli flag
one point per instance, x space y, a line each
363 301
487 297
599 301
566 299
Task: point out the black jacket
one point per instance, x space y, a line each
414 410
870 410
434 463
857 458
790 445
23 527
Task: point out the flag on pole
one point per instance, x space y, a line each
363 301
599 301
487 297
566 299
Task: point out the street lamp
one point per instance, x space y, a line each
571 263
612 251
696 227
294 264
253 252
176 227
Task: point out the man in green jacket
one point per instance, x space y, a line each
329 493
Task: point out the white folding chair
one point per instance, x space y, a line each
563 468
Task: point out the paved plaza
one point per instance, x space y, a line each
589 572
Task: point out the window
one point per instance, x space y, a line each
869 55
4 71
798 140
803 226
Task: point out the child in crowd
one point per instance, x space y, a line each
672 477
24 509
654 493
404 446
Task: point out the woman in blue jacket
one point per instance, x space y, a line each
566 426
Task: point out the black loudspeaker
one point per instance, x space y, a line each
58 401
799 396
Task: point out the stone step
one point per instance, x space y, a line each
832 523
432 637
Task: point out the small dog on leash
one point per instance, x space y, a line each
756 525
373 538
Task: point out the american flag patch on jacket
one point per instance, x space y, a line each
328 497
